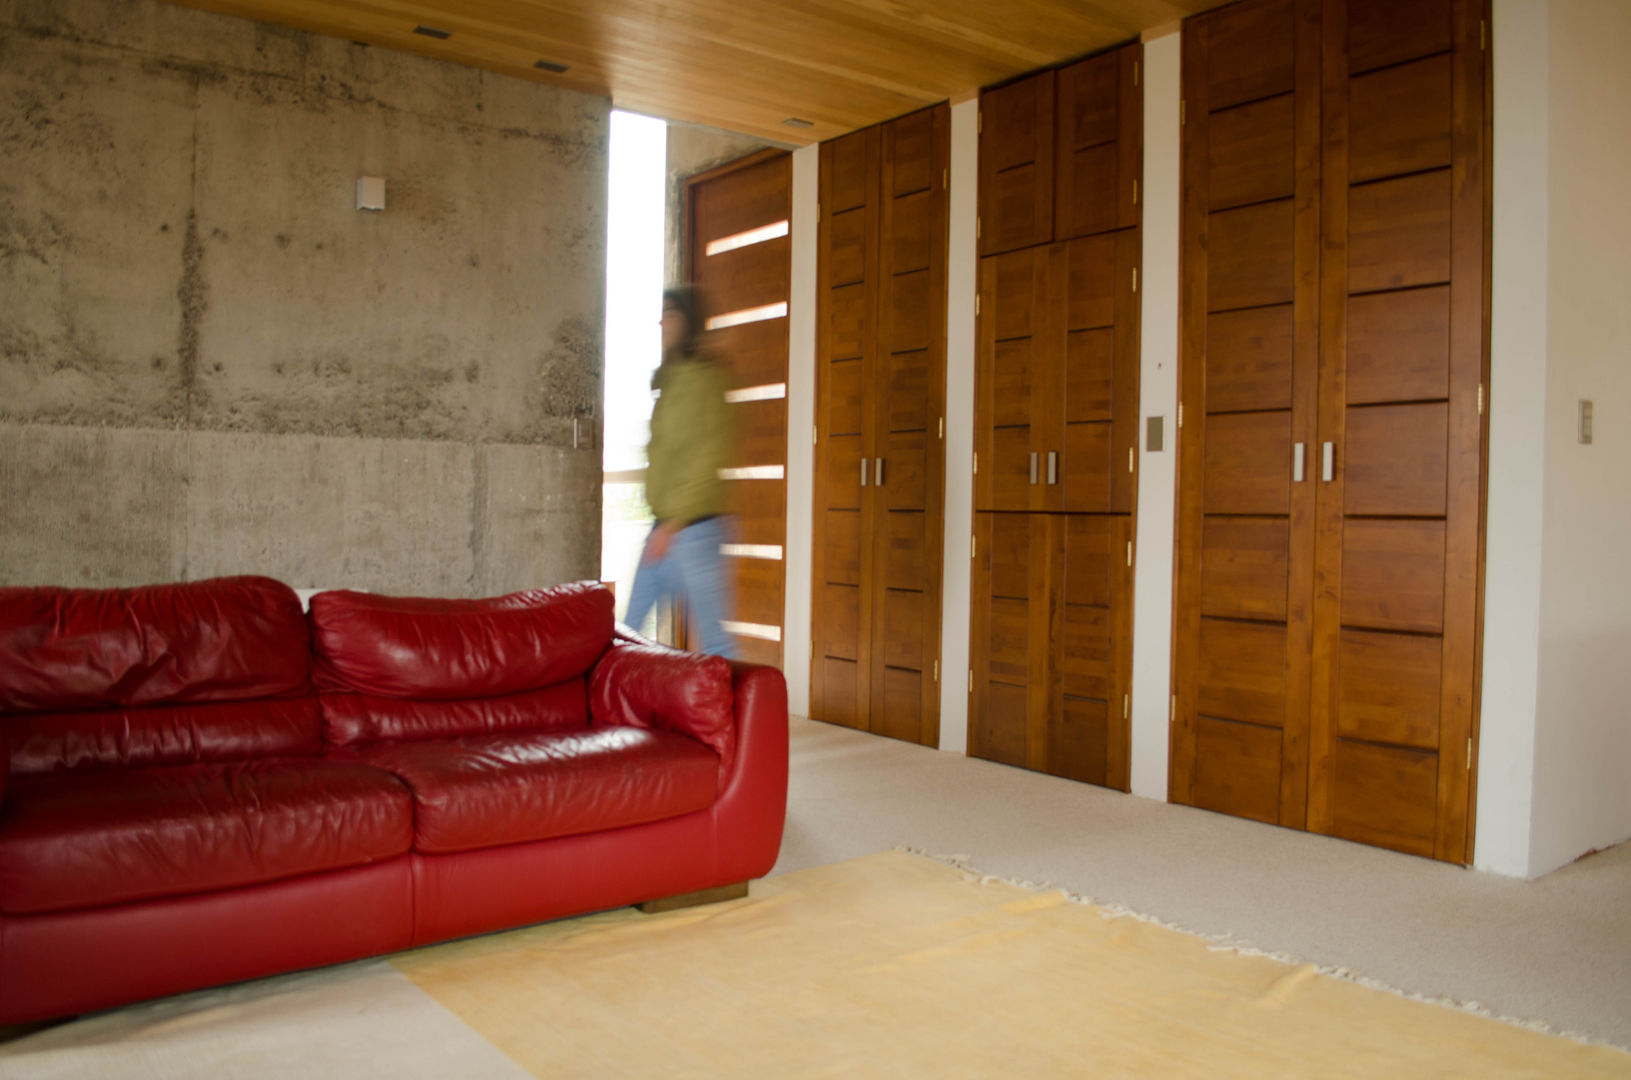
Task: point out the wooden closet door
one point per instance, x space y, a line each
846 373
1016 618
1016 165
908 392
1403 339
1018 409
1248 385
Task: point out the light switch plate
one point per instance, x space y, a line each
1155 434
1585 422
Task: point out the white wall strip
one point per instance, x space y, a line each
746 239
1158 396
767 392
751 551
748 315
801 366
961 285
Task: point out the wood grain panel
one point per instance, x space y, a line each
1089 375
1252 52
1016 164
1237 769
1084 468
760 429
1013 302
1009 552
739 199
907 558
843 479
1092 284
844 401
905 459
899 712
1397 455
1078 741
1386 796
1089 102
912 232
846 322
902 644
841 551
1010 379
912 153
1399 233
1094 187
838 678
1383 32
1251 151
911 324
1388 689
911 401
1244 567
848 253
1248 359
1089 560
1008 634
1399 120
999 724
1250 252
1393 575
1399 346
1084 653
841 620
752 276
1248 463
1009 469
758 590
1243 672
851 176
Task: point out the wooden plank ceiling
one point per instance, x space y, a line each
742 65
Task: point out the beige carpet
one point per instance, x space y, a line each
885 966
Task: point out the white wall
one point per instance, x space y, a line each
962 283
1582 773
801 327
1158 396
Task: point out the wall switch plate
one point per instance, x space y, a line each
1585 422
370 193
1155 434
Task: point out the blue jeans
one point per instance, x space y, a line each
692 569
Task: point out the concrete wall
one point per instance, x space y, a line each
693 149
211 362
1582 777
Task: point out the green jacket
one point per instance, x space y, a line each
690 441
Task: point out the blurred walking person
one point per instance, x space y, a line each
690 443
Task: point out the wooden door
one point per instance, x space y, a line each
1248 385
880 391
1017 140
1333 329
738 254
908 429
846 372
1403 312
1015 619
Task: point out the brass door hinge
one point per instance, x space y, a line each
815 434
1135 279
1180 414
971 680
1172 717
1126 705
976 463
942 427
976 228
1480 399
1129 553
937 671
976 303
1469 752
973 543
1129 459
945 179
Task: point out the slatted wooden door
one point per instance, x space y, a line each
1401 393
738 254
880 389
1250 362
1056 406
1333 326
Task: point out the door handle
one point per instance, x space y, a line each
1033 466
1053 466
877 474
1330 458
863 472
1297 464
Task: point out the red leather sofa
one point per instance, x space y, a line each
202 783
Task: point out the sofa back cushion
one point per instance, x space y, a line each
405 667
164 674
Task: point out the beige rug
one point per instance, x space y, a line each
890 965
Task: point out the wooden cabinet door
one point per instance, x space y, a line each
1015 618
908 392
1100 139
1017 397
1248 386
1016 165
846 370
1401 382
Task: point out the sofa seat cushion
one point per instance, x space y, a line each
483 791
102 837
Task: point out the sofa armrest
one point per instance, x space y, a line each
5 767
652 686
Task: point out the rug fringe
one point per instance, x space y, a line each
1227 942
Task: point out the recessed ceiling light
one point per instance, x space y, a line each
793 121
431 31
549 65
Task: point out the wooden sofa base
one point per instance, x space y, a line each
694 899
